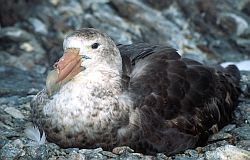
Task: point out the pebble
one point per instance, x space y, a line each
161 156
121 150
14 112
243 133
15 34
233 23
244 144
219 136
54 2
12 150
92 154
109 154
38 26
228 128
37 152
27 47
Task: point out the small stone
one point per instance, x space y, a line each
12 150
138 155
219 136
235 21
9 132
18 143
109 154
69 150
11 32
54 2
5 119
27 47
159 4
246 89
55 149
228 128
184 158
58 158
147 157
37 152
92 153
39 26
75 155
199 150
98 150
15 33
161 156
244 144
215 145
121 150
129 156
192 153
9 122
40 69
3 141
243 133
14 112
245 77
33 91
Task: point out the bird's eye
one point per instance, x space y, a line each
95 45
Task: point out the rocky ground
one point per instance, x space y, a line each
31 38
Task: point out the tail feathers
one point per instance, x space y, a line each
234 72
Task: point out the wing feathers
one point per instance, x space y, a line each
179 93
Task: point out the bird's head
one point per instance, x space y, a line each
84 50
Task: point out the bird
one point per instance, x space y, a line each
145 96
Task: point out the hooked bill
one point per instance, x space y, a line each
68 66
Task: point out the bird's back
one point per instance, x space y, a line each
180 100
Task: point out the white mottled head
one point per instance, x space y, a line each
96 48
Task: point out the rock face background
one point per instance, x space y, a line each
31 38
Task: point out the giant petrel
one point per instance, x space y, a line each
143 96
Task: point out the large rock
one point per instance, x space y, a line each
228 152
14 81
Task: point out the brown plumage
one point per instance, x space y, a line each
152 100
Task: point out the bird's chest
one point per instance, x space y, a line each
79 108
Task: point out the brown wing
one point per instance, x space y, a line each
179 99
